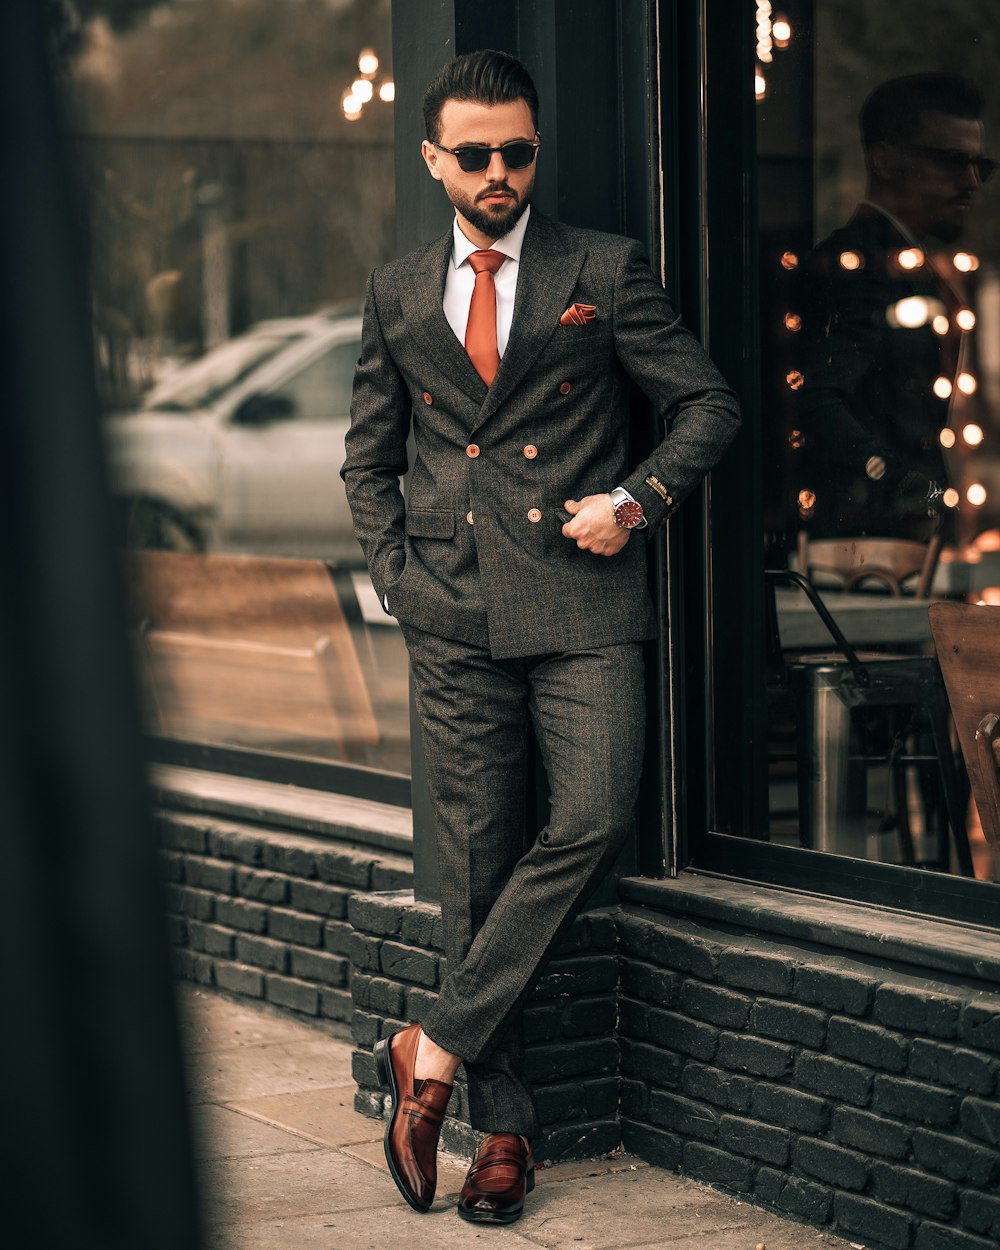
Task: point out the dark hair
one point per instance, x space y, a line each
893 111
487 77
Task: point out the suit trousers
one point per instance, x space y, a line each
506 894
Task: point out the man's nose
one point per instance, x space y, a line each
496 170
970 175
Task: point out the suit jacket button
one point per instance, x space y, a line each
472 451
428 397
534 515
565 388
468 517
530 452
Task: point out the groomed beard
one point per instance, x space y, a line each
495 222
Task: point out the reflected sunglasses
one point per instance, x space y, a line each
955 160
473 160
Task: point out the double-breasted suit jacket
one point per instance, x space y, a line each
477 552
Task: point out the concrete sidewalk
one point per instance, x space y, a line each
287 1164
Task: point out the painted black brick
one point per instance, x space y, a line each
291 855
180 834
238 844
177 930
872 1219
391 874
377 994
586 1017
872 1133
866 1043
550 1063
580 975
717 1167
262 952
634 1097
557 1103
293 926
838 990
844 1168
715 1004
576 1141
956 1158
211 938
751 970
905 1187
420 925
724 1089
937 1237
408 963
790 1108
915 1100
602 1096
373 913
653 1144
210 874
981 1120
337 937
418 1002
788 1022
364 1029
198 904
834 1077
903 1007
981 1024
981 1213
685 952
759 1141
633 1018
266 887
690 1037
682 1115
292 993
172 866
364 952
344 867
649 1063
239 979
792 1194
541 1022
335 1004
316 966
237 913
947 1065
654 985
319 899
753 1054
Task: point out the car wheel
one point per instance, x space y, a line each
150 525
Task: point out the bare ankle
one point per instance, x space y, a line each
432 1062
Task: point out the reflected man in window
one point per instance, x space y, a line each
517 571
883 340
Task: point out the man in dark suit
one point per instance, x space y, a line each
886 347
517 572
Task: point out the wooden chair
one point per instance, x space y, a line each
857 563
967 639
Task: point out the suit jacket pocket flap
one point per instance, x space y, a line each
430 523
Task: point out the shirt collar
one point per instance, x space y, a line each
510 244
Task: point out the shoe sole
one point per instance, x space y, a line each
386 1076
498 1217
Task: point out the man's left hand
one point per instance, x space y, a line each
593 525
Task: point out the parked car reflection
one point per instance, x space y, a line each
239 450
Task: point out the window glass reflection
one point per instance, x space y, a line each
238 158
880 287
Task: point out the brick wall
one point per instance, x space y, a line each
263 914
571 1051
832 1089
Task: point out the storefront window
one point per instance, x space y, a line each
239 166
879 246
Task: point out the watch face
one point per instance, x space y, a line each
628 514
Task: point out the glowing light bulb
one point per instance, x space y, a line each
759 84
851 260
940 324
362 90
965 318
909 313
973 434
807 501
368 61
789 260
976 494
352 107
781 31
387 92
967 384
794 379
911 258
950 497
796 439
942 387
947 437
965 262
793 322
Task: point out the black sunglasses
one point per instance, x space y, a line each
955 161
473 160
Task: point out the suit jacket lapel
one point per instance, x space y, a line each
547 274
421 295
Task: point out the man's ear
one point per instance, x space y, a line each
884 161
430 154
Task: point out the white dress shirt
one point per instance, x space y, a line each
460 280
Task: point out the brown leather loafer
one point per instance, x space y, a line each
418 1107
500 1175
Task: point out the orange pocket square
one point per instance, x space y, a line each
578 315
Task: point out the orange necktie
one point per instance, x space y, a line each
481 330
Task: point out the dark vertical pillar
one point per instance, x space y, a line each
592 63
